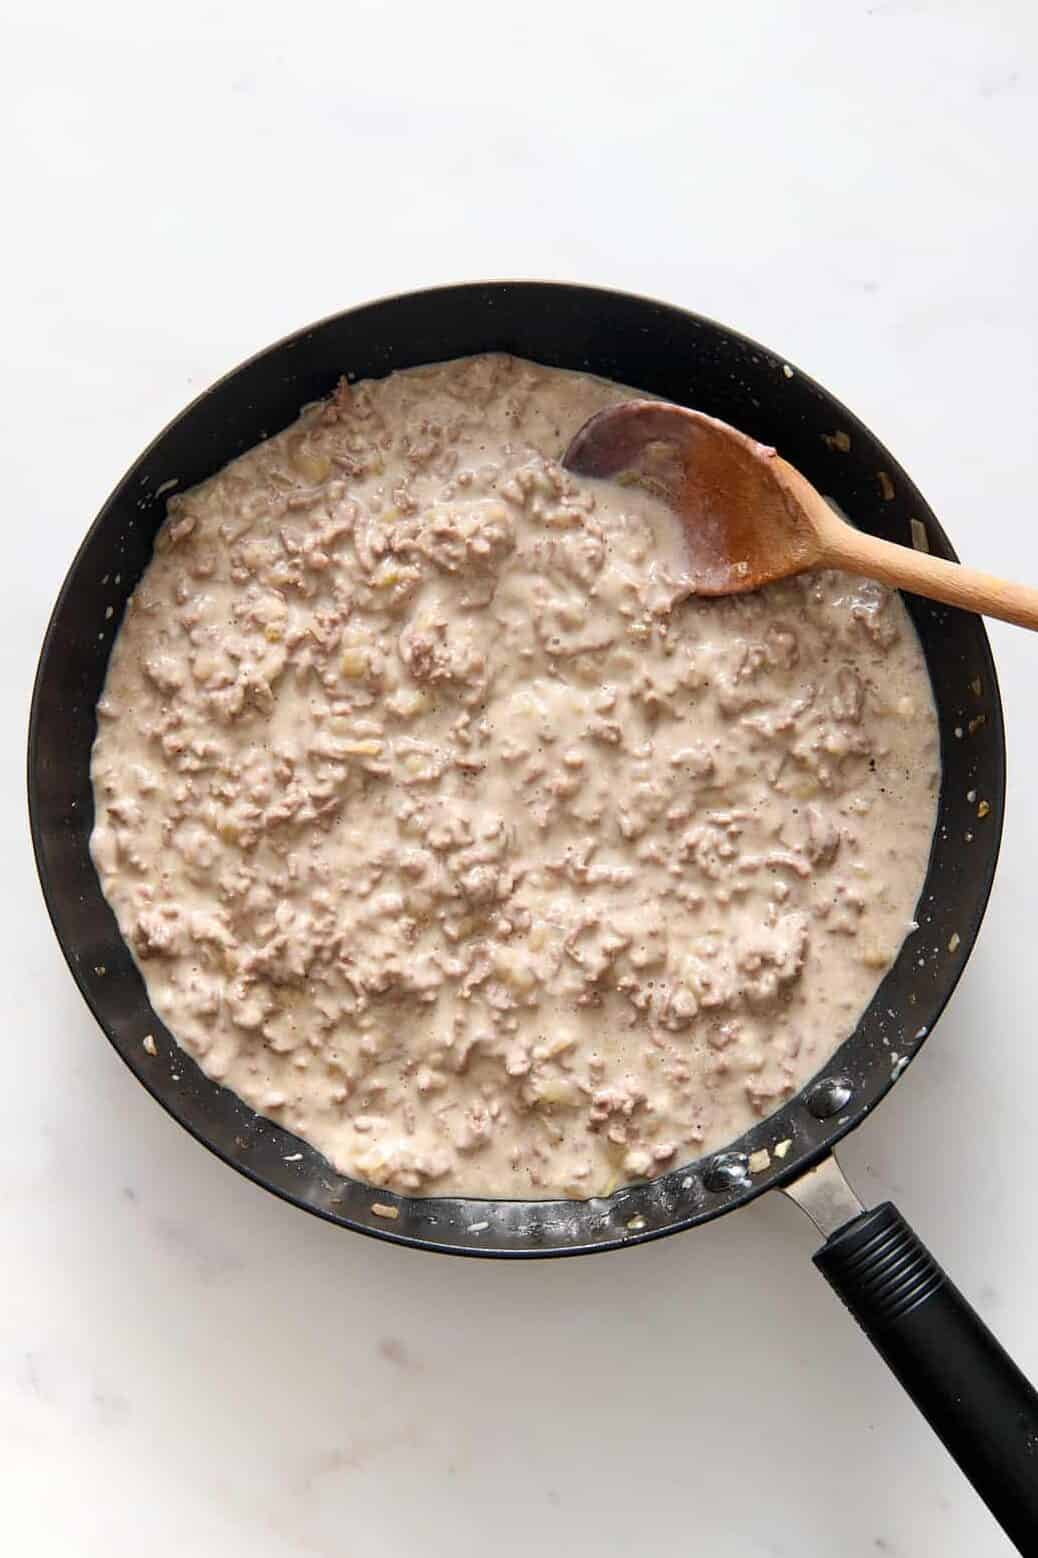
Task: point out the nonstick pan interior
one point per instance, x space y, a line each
665 352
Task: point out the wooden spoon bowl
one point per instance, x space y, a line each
751 518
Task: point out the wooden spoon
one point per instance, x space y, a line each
751 517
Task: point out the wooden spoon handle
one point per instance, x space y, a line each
907 569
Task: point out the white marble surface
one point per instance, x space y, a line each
188 1366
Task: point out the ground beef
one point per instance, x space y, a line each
449 834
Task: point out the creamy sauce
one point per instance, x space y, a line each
447 834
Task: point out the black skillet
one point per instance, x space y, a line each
973 1395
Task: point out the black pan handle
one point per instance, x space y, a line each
964 1383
